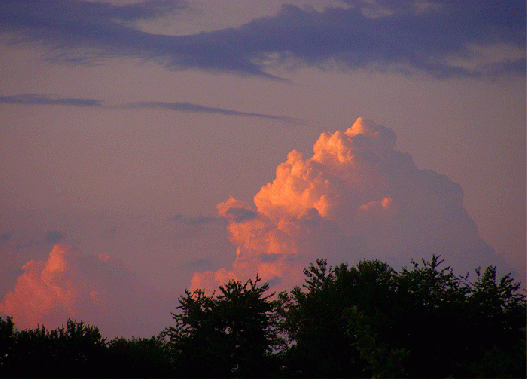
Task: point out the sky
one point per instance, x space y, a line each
148 147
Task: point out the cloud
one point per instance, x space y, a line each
36 99
46 99
4 237
53 237
356 198
98 290
196 108
109 233
413 35
79 14
192 220
165 250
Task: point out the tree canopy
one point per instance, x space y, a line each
230 333
366 320
369 320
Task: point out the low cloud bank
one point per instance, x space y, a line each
98 290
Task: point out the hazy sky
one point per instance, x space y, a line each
152 146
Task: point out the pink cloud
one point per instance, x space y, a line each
356 198
98 290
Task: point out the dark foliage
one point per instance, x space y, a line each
76 350
232 333
138 357
318 320
361 321
369 321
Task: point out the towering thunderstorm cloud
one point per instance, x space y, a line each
356 198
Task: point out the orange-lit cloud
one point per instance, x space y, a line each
98 290
357 197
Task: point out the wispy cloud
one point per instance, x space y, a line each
381 34
38 99
46 99
196 108
191 220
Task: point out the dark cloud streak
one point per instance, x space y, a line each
195 108
37 99
191 220
404 35
63 14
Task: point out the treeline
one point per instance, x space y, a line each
362 321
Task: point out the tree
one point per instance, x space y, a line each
456 326
138 357
231 333
362 321
370 321
316 318
496 312
7 331
74 350
429 308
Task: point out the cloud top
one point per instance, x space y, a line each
356 198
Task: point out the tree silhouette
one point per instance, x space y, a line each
67 351
370 321
138 357
316 319
365 320
231 333
7 332
495 316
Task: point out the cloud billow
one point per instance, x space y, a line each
416 35
356 198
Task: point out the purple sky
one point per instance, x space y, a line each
152 143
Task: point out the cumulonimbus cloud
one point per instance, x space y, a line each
436 37
356 198
98 290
